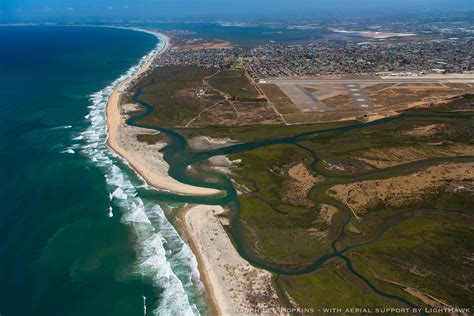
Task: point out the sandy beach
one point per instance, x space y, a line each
232 284
145 159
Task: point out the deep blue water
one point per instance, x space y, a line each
60 251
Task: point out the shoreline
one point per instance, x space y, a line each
214 306
115 122
233 286
157 175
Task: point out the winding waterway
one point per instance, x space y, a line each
180 156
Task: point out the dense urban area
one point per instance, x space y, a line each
412 58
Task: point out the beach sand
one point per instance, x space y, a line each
234 285
145 159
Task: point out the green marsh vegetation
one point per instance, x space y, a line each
413 245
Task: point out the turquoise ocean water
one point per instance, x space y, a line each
76 236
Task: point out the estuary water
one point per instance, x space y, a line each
77 236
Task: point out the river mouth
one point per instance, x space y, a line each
181 158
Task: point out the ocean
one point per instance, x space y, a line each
76 235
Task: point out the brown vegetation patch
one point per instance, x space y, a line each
461 86
426 130
342 101
256 113
405 96
130 108
428 85
384 158
329 116
296 188
222 114
399 190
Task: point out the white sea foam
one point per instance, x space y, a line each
163 256
62 127
68 151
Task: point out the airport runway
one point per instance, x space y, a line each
360 98
307 101
369 81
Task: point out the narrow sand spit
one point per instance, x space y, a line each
121 139
237 286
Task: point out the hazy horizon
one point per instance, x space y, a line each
24 10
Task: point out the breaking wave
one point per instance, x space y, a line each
163 257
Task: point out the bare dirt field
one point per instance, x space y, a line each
298 185
397 191
411 94
341 101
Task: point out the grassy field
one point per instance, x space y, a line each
171 92
198 97
235 83
331 287
431 253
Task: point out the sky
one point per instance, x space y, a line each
50 9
